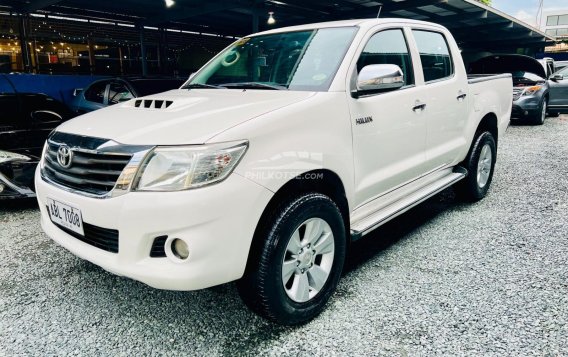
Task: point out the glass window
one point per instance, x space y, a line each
301 60
552 21
118 92
563 20
96 92
434 55
388 47
551 32
562 32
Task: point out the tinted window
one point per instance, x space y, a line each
96 92
118 92
388 47
434 55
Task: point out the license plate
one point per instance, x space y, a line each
65 216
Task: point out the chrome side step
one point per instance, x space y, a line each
367 224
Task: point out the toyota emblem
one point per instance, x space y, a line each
65 156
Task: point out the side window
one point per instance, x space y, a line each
118 92
434 55
96 92
388 47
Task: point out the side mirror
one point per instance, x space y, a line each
377 77
77 91
557 77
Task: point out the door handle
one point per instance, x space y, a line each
461 96
418 105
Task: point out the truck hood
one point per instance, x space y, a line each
180 116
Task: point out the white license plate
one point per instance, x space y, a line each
65 216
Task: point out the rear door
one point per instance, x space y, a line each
446 107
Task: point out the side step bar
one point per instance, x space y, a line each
378 218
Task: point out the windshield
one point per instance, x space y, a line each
303 60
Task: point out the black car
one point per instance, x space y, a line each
26 119
107 92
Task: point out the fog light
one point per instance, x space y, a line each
526 112
180 249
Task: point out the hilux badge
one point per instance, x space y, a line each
65 156
364 120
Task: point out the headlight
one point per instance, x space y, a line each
185 167
6 156
531 90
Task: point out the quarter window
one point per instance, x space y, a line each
434 55
388 47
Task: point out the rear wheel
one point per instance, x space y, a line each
300 263
480 164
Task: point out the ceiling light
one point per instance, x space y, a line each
170 3
271 20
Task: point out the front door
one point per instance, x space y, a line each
389 132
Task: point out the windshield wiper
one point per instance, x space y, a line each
202 85
254 85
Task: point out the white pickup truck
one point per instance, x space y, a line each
282 150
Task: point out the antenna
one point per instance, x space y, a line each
380 9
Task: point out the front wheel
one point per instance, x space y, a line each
539 118
480 164
300 263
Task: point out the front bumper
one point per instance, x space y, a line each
217 222
526 107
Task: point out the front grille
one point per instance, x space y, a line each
517 92
102 238
90 171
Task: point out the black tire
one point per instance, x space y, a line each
262 288
469 189
538 119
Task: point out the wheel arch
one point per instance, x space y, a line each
321 181
488 123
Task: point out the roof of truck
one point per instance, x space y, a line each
346 23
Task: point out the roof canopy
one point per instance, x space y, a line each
474 25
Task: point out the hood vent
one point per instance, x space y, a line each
152 103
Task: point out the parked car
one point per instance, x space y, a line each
282 150
530 87
26 119
558 103
105 92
